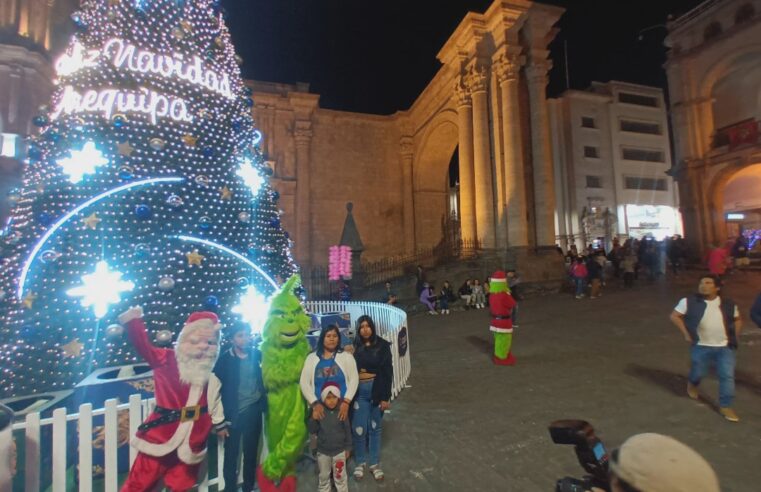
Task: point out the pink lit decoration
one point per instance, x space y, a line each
339 262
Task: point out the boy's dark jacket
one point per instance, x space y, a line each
333 435
227 369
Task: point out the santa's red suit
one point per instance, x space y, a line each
173 449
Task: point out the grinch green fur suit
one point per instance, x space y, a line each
284 349
501 304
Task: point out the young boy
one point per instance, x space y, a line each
333 440
242 392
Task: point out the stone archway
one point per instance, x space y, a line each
733 189
431 177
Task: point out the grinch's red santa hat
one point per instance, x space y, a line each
498 276
201 319
328 388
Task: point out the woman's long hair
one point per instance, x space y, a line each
358 343
320 349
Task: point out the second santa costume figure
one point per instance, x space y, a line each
172 440
501 305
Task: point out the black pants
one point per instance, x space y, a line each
248 428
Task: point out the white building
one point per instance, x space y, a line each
611 155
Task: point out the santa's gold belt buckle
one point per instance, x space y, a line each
190 413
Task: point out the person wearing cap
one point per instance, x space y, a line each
243 400
656 463
334 440
171 442
501 305
712 325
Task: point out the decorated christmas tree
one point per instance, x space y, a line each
144 187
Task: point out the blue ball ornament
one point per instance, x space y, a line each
143 212
34 153
275 223
211 302
126 173
40 120
275 195
142 250
119 121
208 151
29 333
43 218
248 102
79 22
237 125
204 223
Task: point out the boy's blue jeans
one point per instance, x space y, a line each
724 359
366 425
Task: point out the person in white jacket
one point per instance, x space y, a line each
327 363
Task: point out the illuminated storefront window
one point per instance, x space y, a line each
658 221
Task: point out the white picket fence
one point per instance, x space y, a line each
388 319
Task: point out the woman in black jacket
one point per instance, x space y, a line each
373 356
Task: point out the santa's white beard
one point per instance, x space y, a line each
195 371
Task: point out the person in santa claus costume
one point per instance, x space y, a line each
172 440
501 305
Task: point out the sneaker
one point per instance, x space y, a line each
432 312
377 473
729 414
359 472
692 391
578 297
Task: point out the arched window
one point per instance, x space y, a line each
712 30
745 13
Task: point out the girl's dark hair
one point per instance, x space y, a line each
321 341
358 338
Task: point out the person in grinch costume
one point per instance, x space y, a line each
501 305
284 349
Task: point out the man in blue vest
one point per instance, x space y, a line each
712 325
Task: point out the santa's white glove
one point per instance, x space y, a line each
135 312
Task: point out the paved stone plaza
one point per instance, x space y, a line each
464 424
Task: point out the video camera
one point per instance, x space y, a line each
589 449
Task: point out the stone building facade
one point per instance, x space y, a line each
612 155
487 103
714 73
29 31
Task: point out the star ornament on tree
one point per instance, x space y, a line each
251 177
253 307
73 348
101 288
82 162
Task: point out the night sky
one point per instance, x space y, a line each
377 57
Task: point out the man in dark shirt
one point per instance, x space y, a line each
242 391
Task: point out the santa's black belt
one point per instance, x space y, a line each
169 415
501 317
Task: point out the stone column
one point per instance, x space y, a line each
544 186
406 145
465 156
484 191
507 67
303 136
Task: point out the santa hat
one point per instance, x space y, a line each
201 319
498 276
328 388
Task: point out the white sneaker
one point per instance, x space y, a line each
432 312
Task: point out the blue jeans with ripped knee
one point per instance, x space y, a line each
366 425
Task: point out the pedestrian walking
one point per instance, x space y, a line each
712 324
579 276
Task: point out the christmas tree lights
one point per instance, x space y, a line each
145 186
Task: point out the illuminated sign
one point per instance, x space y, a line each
735 216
